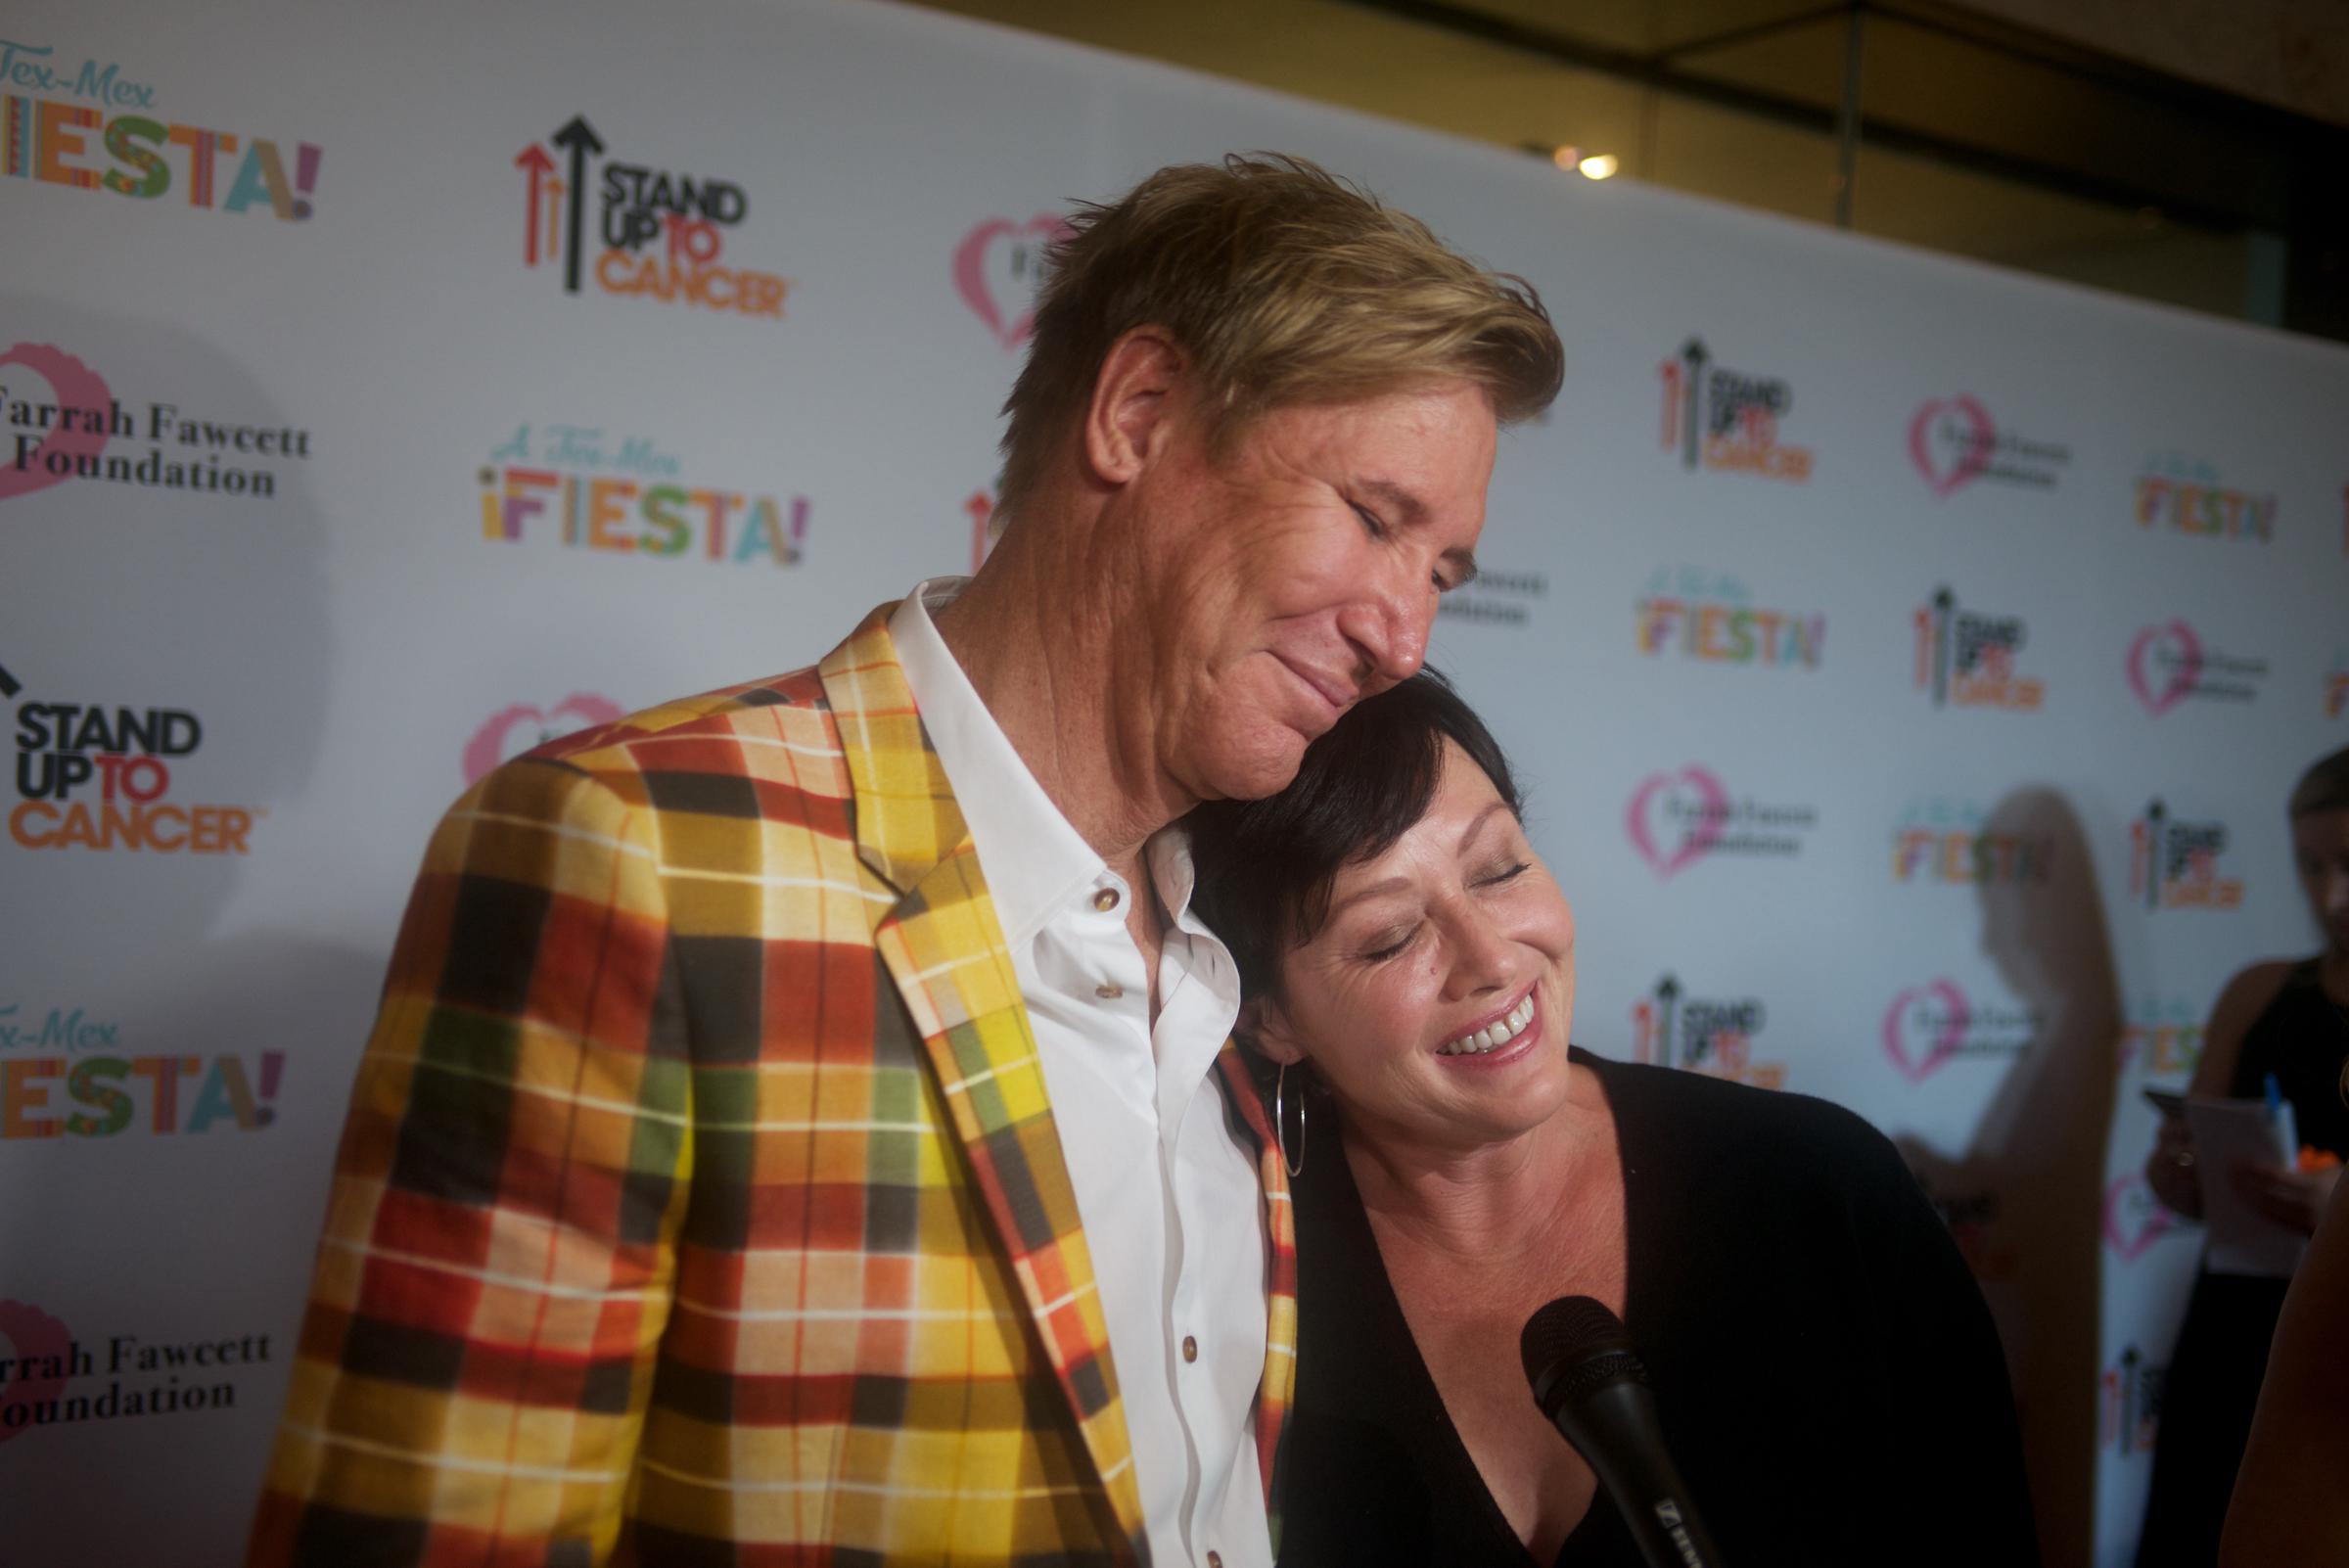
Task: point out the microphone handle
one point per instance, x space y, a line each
1613 1429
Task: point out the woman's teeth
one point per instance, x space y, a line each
1484 1040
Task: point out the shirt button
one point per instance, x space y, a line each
1106 899
1215 1560
1109 990
1190 1352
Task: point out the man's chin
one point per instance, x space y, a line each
1255 771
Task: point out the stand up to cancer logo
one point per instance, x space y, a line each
1728 420
2180 863
657 235
100 776
1968 658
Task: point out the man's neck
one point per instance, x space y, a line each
1035 632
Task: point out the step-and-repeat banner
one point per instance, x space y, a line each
1910 661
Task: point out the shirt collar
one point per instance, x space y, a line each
1035 861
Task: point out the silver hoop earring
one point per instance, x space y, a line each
1281 1122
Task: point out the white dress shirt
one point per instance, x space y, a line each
1170 1200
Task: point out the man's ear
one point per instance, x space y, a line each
1134 398
1267 1027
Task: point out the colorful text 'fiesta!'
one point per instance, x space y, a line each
88 131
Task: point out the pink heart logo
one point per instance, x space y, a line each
36 1336
1942 1035
996 267
71 385
2158 689
1975 440
1711 812
2134 1219
514 730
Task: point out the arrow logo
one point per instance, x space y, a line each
541 165
580 138
1693 353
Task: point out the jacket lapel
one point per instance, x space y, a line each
1274 1393
946 951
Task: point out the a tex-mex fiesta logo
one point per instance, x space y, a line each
1931 1025
1710 1034
76 123
100 776
652 234
62 422
577 487
49 1377
2177 494
1950 842
1968 658
1690 613
1719 418
2128 1410
1676 819
68 1072
2169 663
2162 1038
2178 862
1953 442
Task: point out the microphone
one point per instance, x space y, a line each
1589 1381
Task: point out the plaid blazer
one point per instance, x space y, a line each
700 1199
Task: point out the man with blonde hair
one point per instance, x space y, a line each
793 1131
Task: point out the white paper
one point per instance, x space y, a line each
2242 1240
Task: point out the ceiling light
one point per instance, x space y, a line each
1566 157
1601 167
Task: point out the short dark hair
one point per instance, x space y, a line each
1264 868
2324 787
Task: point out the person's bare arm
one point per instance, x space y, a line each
2291 1497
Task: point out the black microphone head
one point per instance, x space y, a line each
1575 1345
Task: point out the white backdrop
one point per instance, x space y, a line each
360 496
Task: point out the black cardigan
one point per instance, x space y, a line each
1829 1379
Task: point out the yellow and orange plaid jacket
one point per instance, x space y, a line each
700 1200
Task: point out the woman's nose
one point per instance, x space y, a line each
1484 956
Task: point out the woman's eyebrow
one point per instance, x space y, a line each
1482 817
1396 883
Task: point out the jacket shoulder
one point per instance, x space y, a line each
780 729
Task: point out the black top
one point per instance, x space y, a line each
1826 1375
2303 1039
2211 1386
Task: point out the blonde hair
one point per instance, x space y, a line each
1284 285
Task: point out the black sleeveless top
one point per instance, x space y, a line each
1826 1375
2303 1039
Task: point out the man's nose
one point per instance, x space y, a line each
1388 630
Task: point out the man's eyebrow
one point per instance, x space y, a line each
1406 506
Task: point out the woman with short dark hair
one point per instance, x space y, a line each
1826 1375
